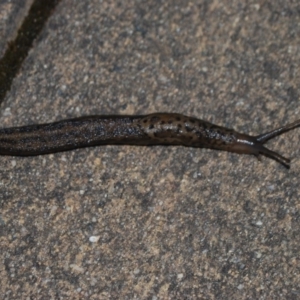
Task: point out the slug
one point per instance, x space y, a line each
153 129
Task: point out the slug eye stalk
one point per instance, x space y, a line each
262 138
254 144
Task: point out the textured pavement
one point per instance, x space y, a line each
125 222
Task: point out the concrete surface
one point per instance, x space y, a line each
11 17
121 222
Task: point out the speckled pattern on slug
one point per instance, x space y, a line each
183 130
153 129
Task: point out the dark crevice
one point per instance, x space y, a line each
18 49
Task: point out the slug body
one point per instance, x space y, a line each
153 129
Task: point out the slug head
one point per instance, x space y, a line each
246 144
254 144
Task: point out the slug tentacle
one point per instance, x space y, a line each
153 129
274 155
269 135
254 145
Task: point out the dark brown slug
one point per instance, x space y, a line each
153 129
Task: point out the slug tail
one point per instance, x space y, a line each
262 138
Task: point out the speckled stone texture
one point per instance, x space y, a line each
121 222
12 14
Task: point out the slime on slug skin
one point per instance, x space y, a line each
153 129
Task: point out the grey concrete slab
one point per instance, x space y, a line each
162 222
